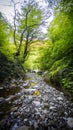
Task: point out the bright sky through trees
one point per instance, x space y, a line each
6 7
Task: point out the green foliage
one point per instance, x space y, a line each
66 6
33 59
33 17
58 59
67 82
28 26
5 47
9 66
3 28
29 20
45 54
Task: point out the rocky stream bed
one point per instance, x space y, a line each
32 104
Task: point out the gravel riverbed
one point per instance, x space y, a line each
34 105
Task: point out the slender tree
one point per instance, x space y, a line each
30 20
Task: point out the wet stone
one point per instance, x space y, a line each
36 103
46 105
60 98
1 99
70 122
45 98
1 88
23 128
13 109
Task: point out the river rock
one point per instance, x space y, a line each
10 97
70 122
1 99
1 88
59 98
23 128
52 107
45 98
30 91
14 109
49 108
25 119
36 103
35 125
46 105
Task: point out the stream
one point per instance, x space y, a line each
31 104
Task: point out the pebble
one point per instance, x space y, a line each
70 122
45 97
25 119
13 109
51 108
36 103
9 98
1 88
35 125
23 128
60 98
1 99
